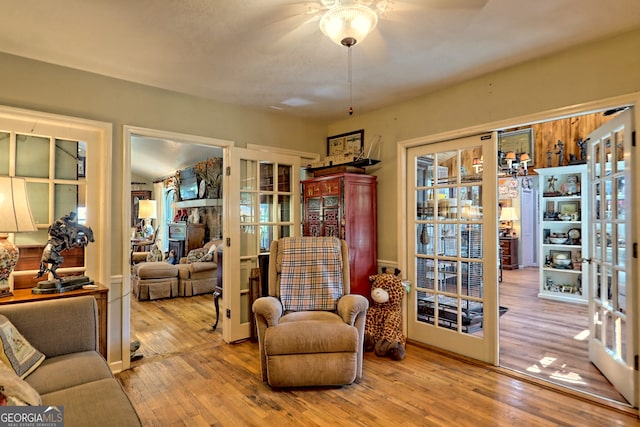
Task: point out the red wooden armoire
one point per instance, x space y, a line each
344 205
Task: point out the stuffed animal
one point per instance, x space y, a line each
383 327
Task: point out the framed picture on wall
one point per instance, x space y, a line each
518 141
82 167
350 142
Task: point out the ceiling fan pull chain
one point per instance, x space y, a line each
350 82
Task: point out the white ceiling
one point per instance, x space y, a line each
270 55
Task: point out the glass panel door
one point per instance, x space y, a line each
264 195
453 254
611 342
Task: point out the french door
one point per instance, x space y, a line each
264 205
452 246
612 343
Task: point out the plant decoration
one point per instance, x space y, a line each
210 171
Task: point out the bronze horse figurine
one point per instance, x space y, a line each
64 234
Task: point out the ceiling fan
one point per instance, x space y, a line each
300 27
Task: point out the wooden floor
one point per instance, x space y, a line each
190 377
547 339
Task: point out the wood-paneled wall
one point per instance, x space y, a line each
570 130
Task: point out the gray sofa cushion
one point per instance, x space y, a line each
61 372
98 403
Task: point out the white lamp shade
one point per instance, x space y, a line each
147 209
16 214
353 21
508 214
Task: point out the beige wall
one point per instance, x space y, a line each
588 73
591 72
48 88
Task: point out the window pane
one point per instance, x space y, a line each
66 164
284 178
38 194
284 208
266 177
32 156
4 153
66 199
248 175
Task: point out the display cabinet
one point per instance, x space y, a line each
344 205
564 233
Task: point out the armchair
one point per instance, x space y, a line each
310 329
199 275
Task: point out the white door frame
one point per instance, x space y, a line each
128 133
578 109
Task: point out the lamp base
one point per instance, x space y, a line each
8 260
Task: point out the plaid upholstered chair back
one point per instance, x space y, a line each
309 273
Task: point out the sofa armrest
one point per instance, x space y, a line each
59 326
351 306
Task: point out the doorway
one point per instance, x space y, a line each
173 149
562 378
551 301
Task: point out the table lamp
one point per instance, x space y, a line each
16 218
508 214
147 210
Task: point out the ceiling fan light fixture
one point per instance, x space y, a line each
348 24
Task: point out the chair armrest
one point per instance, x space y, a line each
350 306
270 308
202 266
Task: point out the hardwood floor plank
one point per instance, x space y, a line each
190 377
539 337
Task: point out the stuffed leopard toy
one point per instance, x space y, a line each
383 327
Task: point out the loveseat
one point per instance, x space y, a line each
73 374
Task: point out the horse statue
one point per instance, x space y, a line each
64 234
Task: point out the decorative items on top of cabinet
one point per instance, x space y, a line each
344 205
563 233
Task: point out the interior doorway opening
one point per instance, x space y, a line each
163 153
546 334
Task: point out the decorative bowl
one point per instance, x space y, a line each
561 261
558 240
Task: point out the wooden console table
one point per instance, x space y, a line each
100 294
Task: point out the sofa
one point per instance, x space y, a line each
72 374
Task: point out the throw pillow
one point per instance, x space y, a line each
16 352
208 257
15 391
195 254
155 255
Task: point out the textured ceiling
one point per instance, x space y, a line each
270 55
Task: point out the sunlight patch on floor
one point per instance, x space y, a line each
582 335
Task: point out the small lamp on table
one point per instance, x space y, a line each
509 215
16 218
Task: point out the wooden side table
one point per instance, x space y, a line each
100 294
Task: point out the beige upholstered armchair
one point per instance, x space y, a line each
310 329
